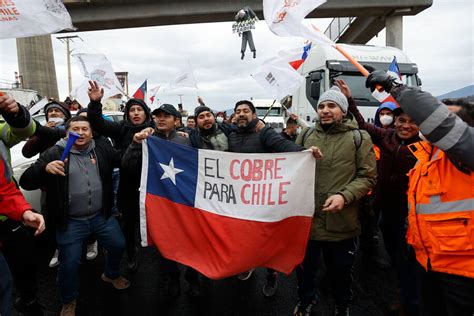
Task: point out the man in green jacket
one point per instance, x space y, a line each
344 175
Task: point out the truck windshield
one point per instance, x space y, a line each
356 83
273 112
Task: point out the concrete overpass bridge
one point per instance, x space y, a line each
369 17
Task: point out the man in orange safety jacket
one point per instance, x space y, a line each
441 198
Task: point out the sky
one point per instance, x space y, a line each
440 40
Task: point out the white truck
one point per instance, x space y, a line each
324 64
274 117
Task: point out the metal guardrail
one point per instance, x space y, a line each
337 27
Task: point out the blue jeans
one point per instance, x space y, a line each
5 287
70 243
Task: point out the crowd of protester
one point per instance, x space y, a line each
408 177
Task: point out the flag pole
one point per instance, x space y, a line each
353 61
269 109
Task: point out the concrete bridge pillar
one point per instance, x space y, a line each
394 31
36 65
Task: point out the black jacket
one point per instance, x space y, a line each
131 167
247 140
214 138
122 135
44 138
57 186
120 132
392 168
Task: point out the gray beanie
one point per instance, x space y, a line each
335 95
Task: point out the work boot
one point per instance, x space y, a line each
119 283
271 286
243 55
69 309
254 54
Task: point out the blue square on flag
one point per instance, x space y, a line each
172 170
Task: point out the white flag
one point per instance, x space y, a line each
96 67
25 18
153 92
285 18
278 78
184 78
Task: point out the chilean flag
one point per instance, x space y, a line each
393 71
297 63
141 92
225 213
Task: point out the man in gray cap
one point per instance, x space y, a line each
346 172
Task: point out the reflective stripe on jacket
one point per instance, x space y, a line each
441 215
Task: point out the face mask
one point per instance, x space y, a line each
298 130
219 119
386 120
57 120
423 137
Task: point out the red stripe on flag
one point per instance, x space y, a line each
220 246
296 64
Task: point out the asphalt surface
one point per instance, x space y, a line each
373 292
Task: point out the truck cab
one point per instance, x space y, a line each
325 64
273 117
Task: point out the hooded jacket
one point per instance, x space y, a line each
120 132
344 170
57 199
386 105
122 135
395 161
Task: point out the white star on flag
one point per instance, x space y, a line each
170 171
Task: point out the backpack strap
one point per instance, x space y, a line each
307 133
357 138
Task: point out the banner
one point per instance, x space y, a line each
25 18
225 213
96 67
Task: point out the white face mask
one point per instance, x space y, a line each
298 130
386 120
57 120
219 119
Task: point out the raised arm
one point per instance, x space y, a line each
375 132
19 125
94 113
441 127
